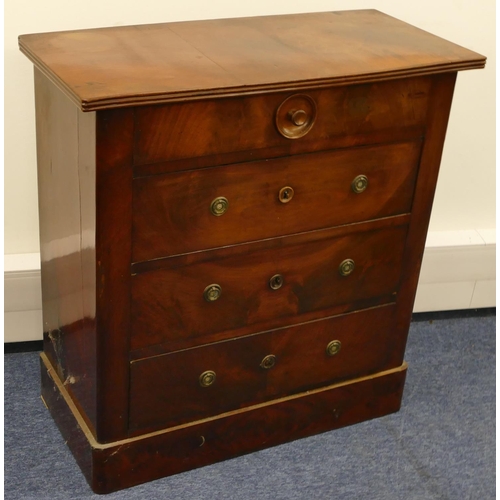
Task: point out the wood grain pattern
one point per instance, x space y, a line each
249 123
172 215
129 65
178 449
372 137
168 304
301 364
66 197
113 179
437 122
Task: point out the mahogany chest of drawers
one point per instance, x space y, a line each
232 218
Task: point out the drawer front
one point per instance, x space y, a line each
180 212
242 124
175 303
205 381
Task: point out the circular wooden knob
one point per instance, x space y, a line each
359 184
333 347
296 116
207 378
268 362
212 292
346 267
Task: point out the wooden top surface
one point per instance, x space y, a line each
130 65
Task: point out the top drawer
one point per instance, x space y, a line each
287 122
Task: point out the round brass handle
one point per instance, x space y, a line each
212 292
219 206
359 184
346 267
268 362
286 194
333 347
207 378
276 282
298 117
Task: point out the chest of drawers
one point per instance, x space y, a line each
232 219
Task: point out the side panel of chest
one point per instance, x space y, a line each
66 201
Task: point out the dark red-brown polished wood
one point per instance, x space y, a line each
113 249
204 442
130 65
182 114
169 304
301 363
249 123
66 201
172 212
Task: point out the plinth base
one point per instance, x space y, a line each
121 464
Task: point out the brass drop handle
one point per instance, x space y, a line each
212 292
268 362
219 206
333 347
359 184
298 117
276 282
346 267
286 194
207 378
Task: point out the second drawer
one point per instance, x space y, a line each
182 386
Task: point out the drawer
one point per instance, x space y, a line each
266 122
208 208
205 381
174 303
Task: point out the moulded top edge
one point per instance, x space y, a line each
136 65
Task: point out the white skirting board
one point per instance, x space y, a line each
458 272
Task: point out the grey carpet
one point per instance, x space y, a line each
441 444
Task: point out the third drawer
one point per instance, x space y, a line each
284 280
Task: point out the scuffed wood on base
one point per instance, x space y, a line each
121 464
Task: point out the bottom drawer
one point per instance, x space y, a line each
196 383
